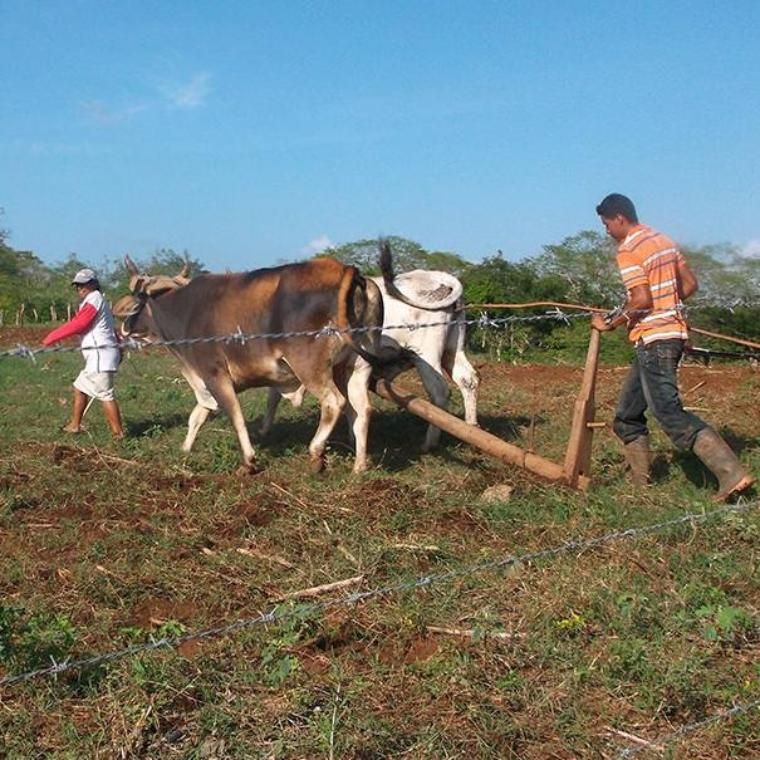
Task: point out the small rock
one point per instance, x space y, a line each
499 493
212 748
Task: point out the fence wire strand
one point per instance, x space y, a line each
657 745
483 321
305 611
242 338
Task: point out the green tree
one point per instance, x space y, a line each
407 255
586 262
725 276
496 280
4 233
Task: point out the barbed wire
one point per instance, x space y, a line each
241 338
656 745
305 611
483 321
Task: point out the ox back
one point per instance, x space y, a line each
436 300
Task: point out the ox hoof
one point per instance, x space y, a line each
317 464
246 470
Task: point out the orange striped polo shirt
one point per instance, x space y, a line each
647 257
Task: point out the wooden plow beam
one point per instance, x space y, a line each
578 455
475 436
576 470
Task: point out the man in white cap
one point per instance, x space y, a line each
100 347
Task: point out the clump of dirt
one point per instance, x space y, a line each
154 612
418 650
14 478
257 513
10 337
382 496
180 483
75 459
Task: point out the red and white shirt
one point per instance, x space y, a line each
94 322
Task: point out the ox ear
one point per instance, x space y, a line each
131 266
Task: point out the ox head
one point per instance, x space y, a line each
137 321
154 285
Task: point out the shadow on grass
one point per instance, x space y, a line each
138 428
696 472
395 438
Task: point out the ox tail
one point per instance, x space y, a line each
444 288
389 276
360 305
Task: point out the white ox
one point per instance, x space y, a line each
415 299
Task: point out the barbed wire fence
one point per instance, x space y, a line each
239 337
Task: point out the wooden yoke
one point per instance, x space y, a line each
578 456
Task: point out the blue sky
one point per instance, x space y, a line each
254 132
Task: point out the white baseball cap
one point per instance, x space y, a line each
83 276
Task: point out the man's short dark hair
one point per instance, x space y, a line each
615 204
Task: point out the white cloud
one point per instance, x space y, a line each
190 95
751 249
317 245
105 115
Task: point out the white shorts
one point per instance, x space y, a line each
99 385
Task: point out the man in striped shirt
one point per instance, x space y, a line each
658 280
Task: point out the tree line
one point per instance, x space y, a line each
579 269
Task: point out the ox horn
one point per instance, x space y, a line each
131 266
184 273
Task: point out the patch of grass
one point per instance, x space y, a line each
104 545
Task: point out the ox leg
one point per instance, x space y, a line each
205 404
359 411
467 380
331 403
458 366
273 401
194 423
438 391
224 393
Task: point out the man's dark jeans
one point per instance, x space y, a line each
652 384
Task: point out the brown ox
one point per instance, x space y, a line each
318 295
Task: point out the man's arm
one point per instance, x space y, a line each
639 302
687 281
77 325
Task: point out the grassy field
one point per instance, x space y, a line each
104 545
